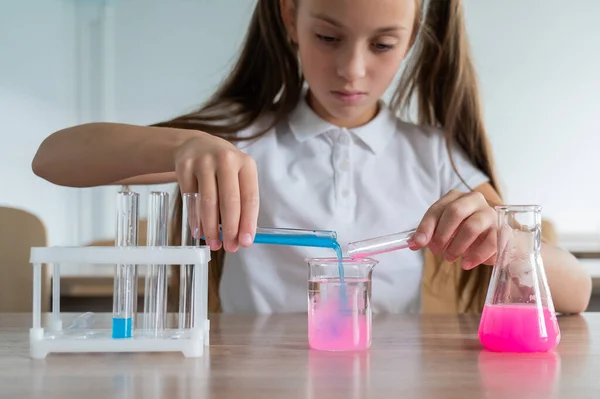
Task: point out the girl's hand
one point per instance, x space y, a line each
459 225
227 182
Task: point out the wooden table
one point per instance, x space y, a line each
267 357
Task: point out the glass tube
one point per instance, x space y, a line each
190 236
296 232
125 286
155 296
294 237
379 245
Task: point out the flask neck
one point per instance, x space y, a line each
520 226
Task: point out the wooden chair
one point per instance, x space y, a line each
19 231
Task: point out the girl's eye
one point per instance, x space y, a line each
327 39
382 47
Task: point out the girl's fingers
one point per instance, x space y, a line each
212 167
249 194
188 184
229 206
491 261
453 216
198 232
427 227
192 206
472 230
186 177
207 182
481 253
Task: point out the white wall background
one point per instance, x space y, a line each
140 61
37 96
539 64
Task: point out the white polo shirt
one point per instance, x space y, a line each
377 179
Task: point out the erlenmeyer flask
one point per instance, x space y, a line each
519 315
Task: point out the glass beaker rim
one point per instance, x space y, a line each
519 208
364 261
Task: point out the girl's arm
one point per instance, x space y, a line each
98 154
464 225
153 178
570 283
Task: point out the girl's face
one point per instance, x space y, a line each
350 51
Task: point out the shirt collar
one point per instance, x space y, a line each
306 124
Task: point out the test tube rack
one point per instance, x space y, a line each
53 338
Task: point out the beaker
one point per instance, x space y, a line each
339 309
519 315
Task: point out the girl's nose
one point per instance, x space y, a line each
351 64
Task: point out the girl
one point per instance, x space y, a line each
300 117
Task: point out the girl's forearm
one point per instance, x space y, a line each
570 283
105 153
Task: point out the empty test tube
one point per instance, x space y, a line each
190 236
379 245
125 285
155 297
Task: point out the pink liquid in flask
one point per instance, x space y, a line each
518 328
336 326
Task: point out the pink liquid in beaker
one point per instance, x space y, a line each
518 328
336 326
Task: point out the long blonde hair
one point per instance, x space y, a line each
266 79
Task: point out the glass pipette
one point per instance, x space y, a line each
378 245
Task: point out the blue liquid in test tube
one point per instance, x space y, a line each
125 286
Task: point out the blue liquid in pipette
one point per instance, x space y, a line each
121 327
298 240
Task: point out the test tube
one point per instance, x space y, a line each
190 236
125 285
296 232
379 245
295 237
155 297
